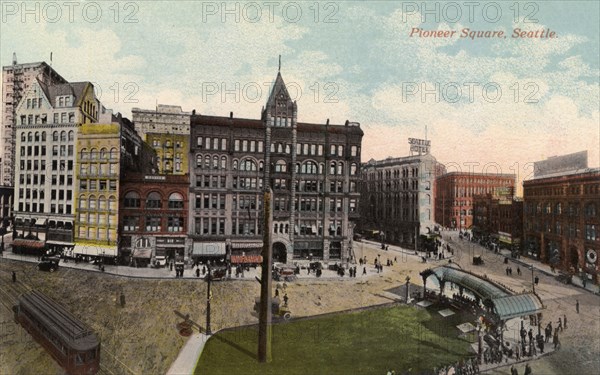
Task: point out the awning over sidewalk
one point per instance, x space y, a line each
28 243
209 249
142 253
239 259
95 250
246 245
517 305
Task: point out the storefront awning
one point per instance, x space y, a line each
238 259
95 250
29 243
142 253
246 245
209 249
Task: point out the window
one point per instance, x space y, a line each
132 200
153 200
248 165
175 201
175 224
353 169
281 166
153 224
333 150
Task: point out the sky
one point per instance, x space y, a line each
487 104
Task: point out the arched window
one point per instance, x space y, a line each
112 203
332 167
353 169
321 168
102 203
37 137
215 163
223 162
175 201
235 165
82 201
280 166
206 161
103 153
93 154
63 136
92 202
132 200
340 168
558 209
55 136
309 167
261 166
199 161
23 137
43 136
248 165
83 154
548 208
71 135
113 153
153 200
29 137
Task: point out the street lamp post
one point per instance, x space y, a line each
532 279
208 298
407 287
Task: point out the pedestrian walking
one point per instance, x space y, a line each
285 299
556 340
577 305
528 370
14 277
530 335
518 271
364 270
559 324
565 320
197 272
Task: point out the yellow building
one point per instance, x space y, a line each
97 189
171 152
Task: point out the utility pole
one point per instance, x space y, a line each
208 298
264 319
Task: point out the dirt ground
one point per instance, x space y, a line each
143 335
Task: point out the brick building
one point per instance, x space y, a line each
499 217
153 218
313 170
562 221
455 192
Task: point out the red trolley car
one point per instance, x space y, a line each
71 343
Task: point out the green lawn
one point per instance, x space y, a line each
364 342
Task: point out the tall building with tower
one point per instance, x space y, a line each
313 170
16 80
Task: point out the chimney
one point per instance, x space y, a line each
327 123
230 114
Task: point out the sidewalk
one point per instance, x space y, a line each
547 270
185 363
190 273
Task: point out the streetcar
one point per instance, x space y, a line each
69 341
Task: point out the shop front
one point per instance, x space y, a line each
168 249
248 253
214 252
308 250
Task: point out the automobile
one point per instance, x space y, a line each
49 264
217 274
